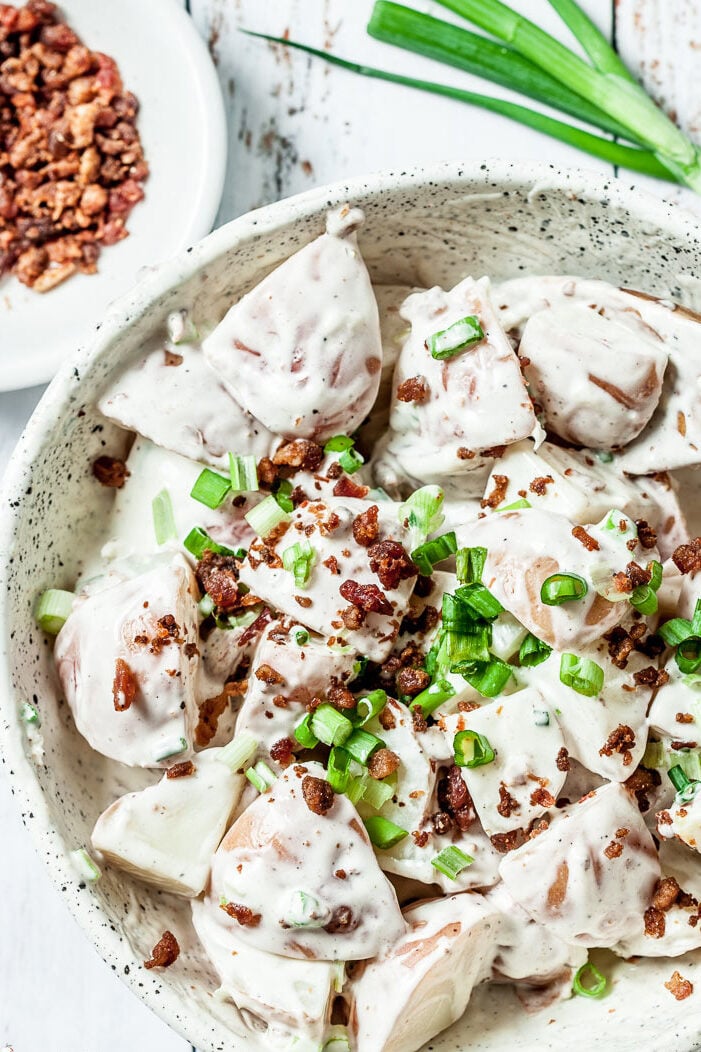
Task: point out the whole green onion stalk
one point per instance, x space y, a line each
600 92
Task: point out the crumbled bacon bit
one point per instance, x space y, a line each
366 597
466 454
332 564
303 600
637 575
494 452
454 798
589 542
301 453
562 761
652 677
342 921
666 893
181 770
614 849
621 740
421 625
165 952
210 712
339 695
257 626
679 987
647 535
641 782
365 526
507 804
171 359
415 389
418 721
243 915
655 923
352 617
663 818
423 587
539 485
411 681
266 674
387 720
421 837
501 484
505 842
678 745
124 686
218 577
684 717
542 798
348 487
282 752
340 874
687 557
318 794
268 473
389 560
110 471
622 643
442 823
382 764
190 650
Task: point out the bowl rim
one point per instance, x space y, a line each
47 842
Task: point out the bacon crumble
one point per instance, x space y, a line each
367 597
539 485
164 953
621 741
181 770
124 686
411 681
687 557
589 542
300 453
318 794
348 487
647 535
110 471
415 389
243 915
382 764
679 987
501 484
389 560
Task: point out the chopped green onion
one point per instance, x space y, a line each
533 651
29 714
206 605
338 769
432 552
339 444
469 645
172 748
471 749
298 560
655 755
210 488
383 833
239 751
163 517
451 861
563 588
456 616
458 337
422 510
541 717
678 778
604 456
469 564
581 674
433 697
53 609
657 574
487 677
227 622
198 542
243 473
361 745
264 517
613 522
595 981
359 666
696 619
330 726
337 1041
688 655
675 631
261 776
644 597
369 706
355 790
305 911
282 496
517 505
690 763
301 637
84 864
304 734
351 460
377 793
479 600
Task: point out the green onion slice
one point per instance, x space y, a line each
210 488
433 697
304 734
361 745
298 560
688 655
517 505
28 713
458 337
330 726
383 833
282 495
469 645
239 751
243 473
377 793
261 776
533 651
422 510
487 677
264 517
588 981
338 769
85 865
480 601
563 588
339 444
53 609
351 460
370 706
451 861
678 778
198 542
472 749
432 552
172 748
301 637
675 631
163 518
581 674
469 564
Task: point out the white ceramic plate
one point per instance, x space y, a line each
182 123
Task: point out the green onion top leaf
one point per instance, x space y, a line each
472 749
458 337
469 564
210 488
383 833
588 981
451 861
581 674
563 588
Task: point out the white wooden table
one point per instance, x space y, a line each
293 123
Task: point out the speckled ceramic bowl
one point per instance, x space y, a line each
423 227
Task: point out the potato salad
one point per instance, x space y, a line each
397 608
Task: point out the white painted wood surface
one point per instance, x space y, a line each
293 123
